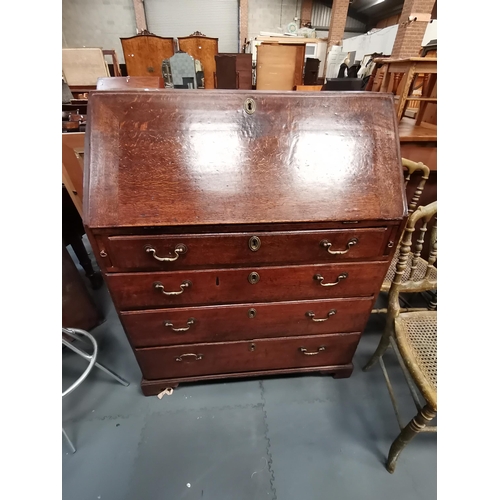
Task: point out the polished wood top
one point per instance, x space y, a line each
409 132
183 157
407 59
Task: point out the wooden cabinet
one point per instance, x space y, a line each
233 71
145 53
280 66
204 49
228 249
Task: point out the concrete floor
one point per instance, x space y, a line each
285 438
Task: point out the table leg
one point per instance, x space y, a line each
427 91
407 83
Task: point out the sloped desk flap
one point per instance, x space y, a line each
184 157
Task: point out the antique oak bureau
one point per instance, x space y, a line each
242 233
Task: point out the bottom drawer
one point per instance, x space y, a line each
237 357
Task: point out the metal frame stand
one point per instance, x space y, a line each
92 359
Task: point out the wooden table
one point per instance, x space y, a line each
410 68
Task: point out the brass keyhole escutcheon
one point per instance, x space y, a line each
252 313
252 347
150 69
254 243
253 278
249 106
103 253
390 244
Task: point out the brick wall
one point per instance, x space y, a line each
337 22
409 37
97 23
243 17
306 11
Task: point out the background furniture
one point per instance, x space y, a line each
130 82
311 71
233 71
180 71
145 52
75 333
412 332
406 71
204 49
78 306
232 254
83 66
308 88
353 84
279 66
72 204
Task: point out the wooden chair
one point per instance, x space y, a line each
412 332
410 168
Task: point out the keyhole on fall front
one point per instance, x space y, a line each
217 281
249 106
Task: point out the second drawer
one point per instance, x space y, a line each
243 285
185 325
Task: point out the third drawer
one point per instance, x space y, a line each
185 325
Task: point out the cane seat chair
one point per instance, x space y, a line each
413 332
410 168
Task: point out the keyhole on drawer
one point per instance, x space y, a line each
217 281
252 347
252 313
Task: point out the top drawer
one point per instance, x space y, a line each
170 252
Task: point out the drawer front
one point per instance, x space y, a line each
208 250
185 325
219 286
235 357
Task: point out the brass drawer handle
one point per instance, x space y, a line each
320 278
190 322
185 284
311 315
197 357
305 352
326 244
179 250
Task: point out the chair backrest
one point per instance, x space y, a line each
409 275
410 167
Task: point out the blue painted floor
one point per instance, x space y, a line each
286 438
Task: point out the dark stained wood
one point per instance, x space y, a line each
130 82
225 72
232 166
154 387
244 321
144 54
203 48
233 71
244 71
222 286
234 322
78 307
251 355
223 250
200 169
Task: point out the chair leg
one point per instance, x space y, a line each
112 374
417 423
382 346
71 445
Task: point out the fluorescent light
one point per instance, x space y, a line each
371 5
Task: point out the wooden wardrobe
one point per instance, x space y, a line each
204 49
145 52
